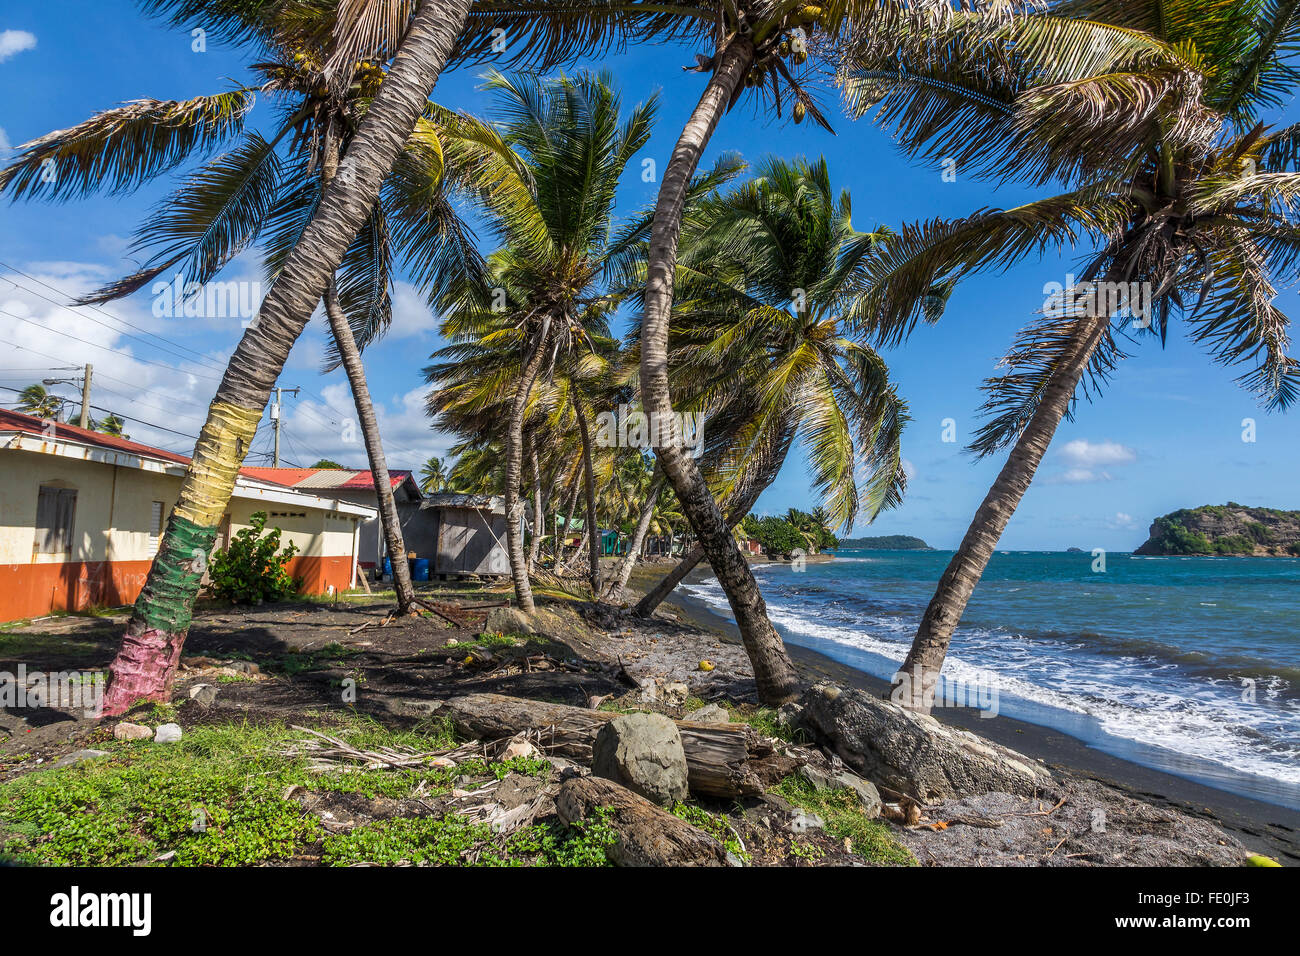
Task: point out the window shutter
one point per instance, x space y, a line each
56 510
155 525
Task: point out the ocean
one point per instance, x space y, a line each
1186 665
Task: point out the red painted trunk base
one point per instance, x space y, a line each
144 670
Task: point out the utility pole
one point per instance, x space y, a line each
85 397
86 371
275 423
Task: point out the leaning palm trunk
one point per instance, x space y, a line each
915 684
735 514
653 598
589 483
151 647
388 517
773 672
539 522
570 503
618 584
514 470
350 358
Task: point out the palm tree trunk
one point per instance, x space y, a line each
570 503
350 358
388 517
646 606
589 482
618 584
773 672
915 685
539 522
151 647
514 467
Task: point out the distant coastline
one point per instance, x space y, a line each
887 542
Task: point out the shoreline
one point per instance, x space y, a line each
1263 827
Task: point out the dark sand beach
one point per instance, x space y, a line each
1263 827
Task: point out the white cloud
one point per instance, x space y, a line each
909 469
1121 521
1078 476
41 339
15 41
1082 453
315 429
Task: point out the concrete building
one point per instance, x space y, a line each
359 488
81 514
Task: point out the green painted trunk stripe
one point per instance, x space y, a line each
167 600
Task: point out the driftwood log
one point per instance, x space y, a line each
723 760
647 836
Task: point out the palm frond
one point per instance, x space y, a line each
119 149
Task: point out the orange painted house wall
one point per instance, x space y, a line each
110 552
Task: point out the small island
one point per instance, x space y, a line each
885 542
1230 529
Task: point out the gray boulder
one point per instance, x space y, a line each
168 734
710 714
866 792
205 694
642 752
76 757
914 753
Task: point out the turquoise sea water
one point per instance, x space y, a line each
1188 665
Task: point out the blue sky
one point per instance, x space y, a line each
1166 434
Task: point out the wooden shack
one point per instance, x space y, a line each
471 534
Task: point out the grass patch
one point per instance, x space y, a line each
714 825
844 818
765 721
454 841
215 797
300 662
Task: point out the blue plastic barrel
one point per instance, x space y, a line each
419 569
388 567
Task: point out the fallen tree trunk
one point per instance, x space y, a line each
646 835
723 760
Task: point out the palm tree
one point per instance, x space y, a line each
124 147
556 233
433 476
112 425
1148 113
479 378
267 188
39 401
771 367
760 45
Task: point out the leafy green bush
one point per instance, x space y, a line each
1234 544
252 569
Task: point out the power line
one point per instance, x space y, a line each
105 348
111 378
203 358
132 418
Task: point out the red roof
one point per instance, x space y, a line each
278 476
304 479
31 425
323 478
